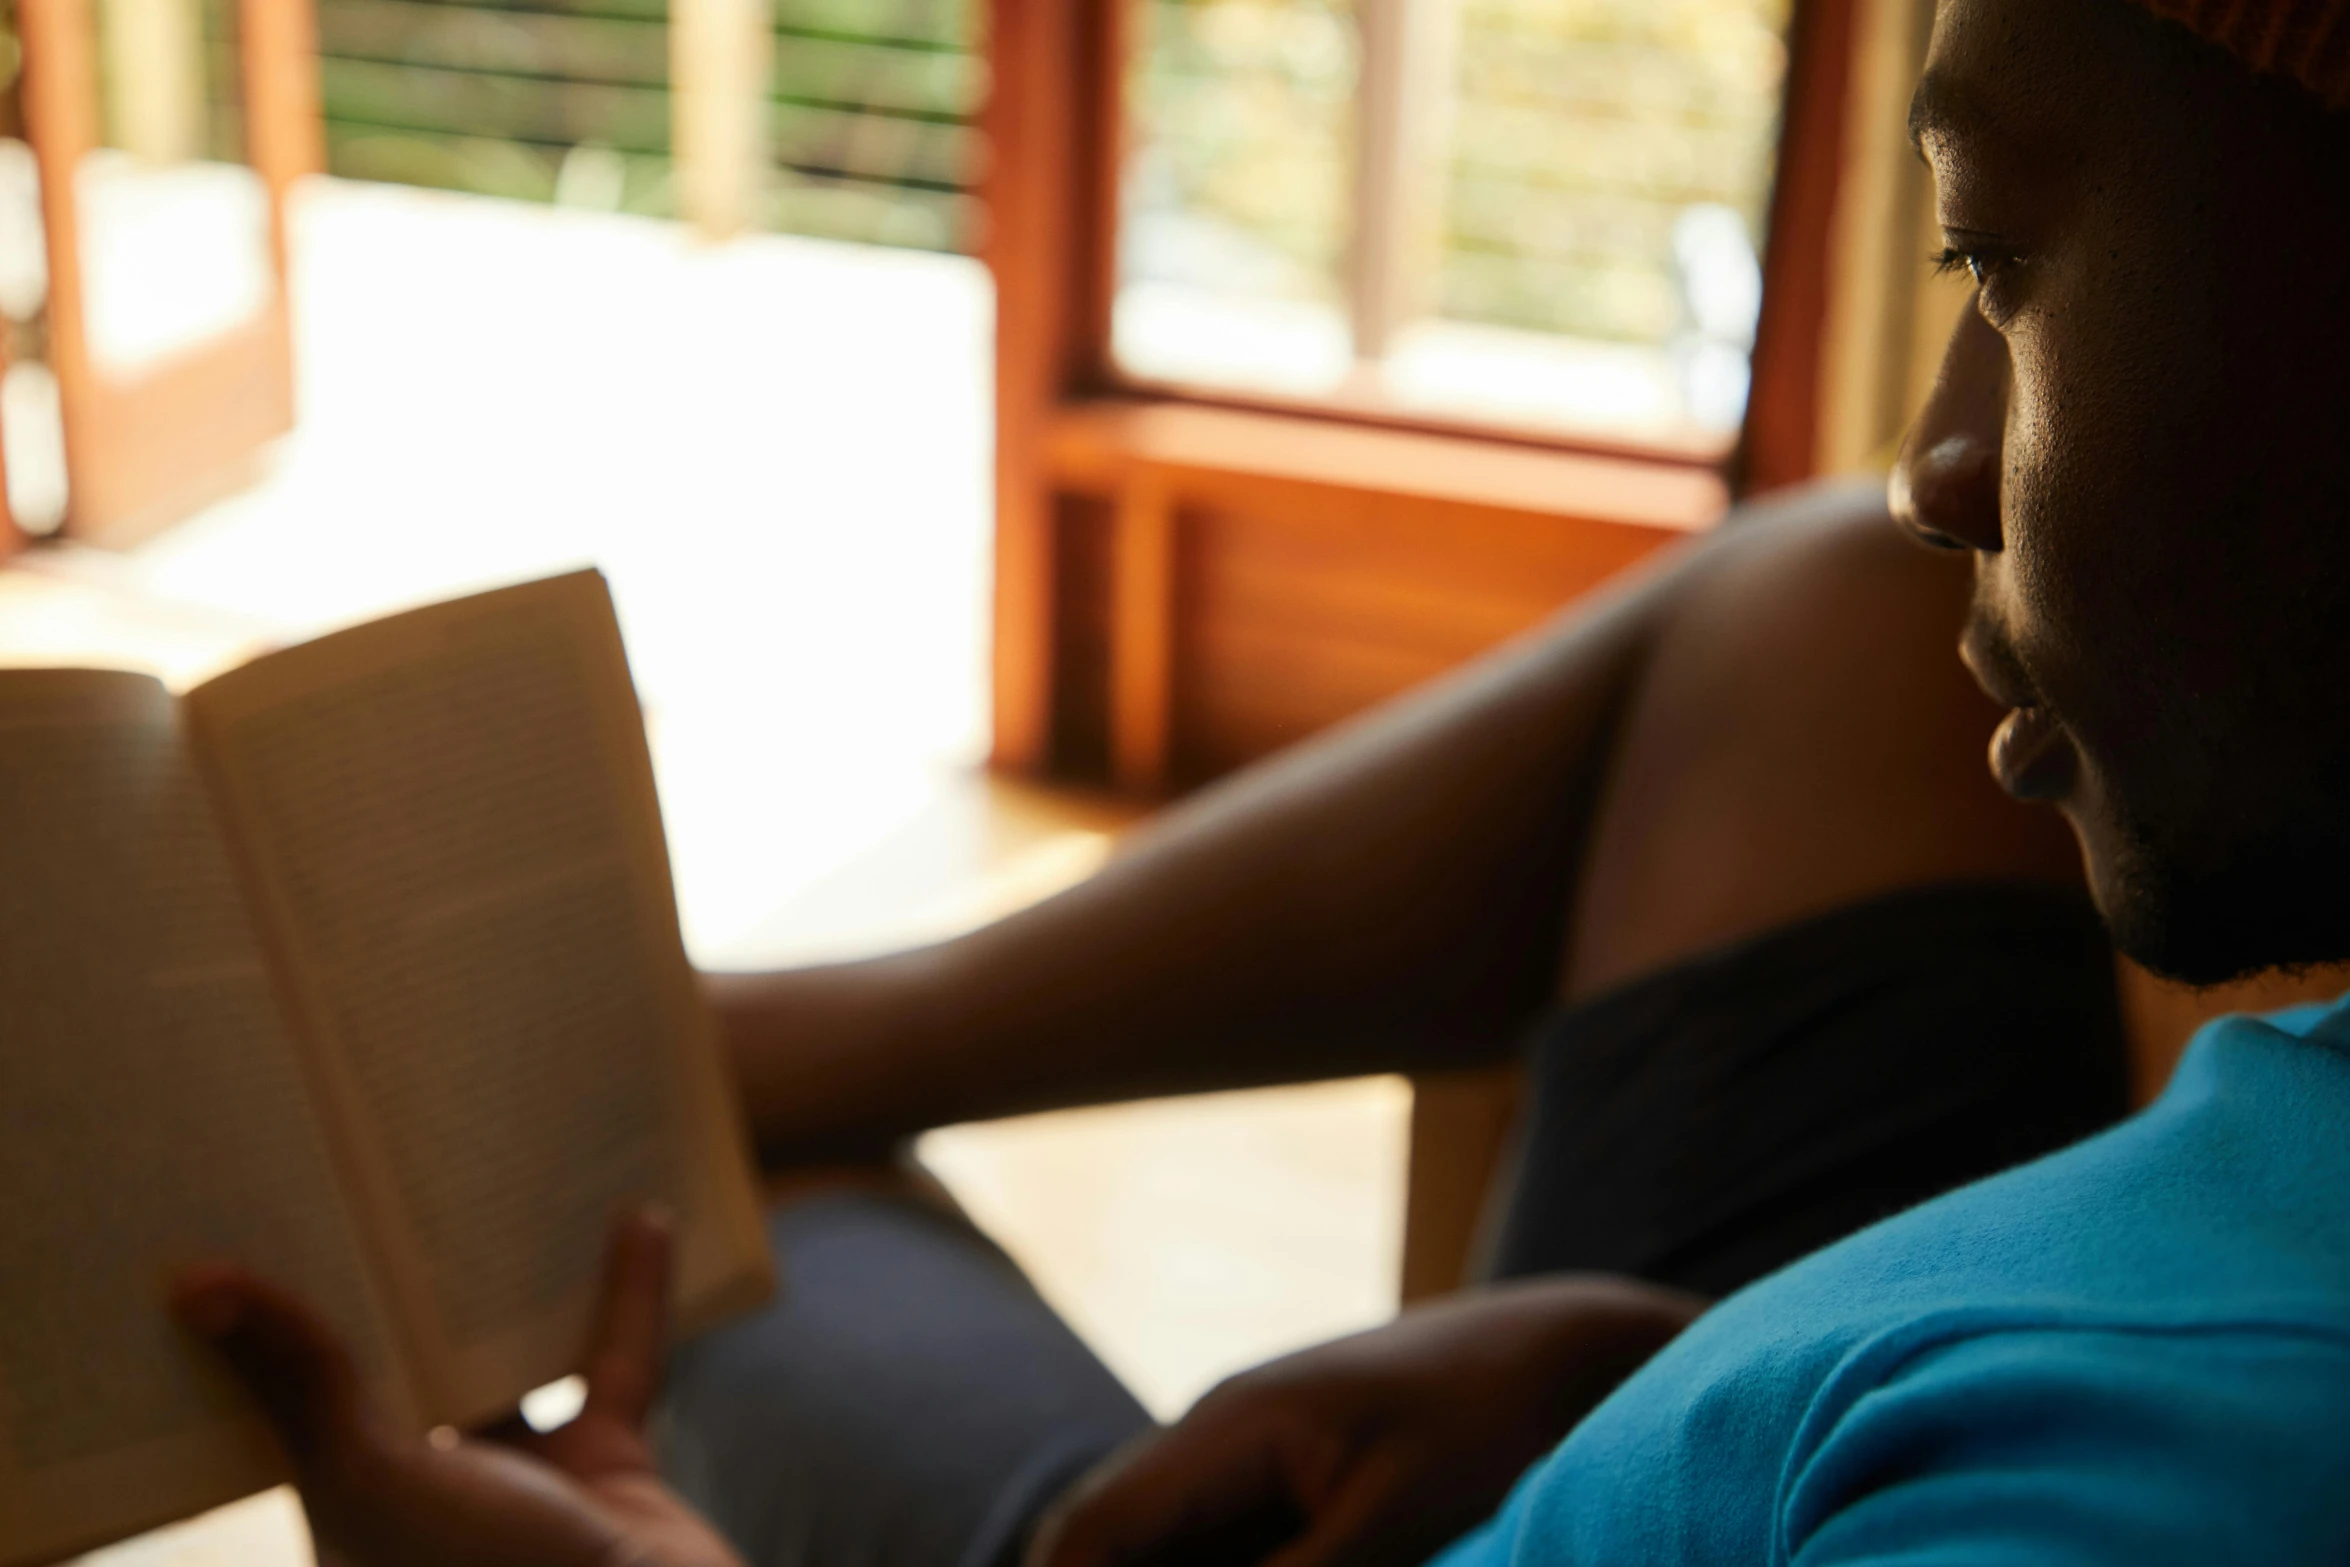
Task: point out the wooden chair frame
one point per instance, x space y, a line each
140 454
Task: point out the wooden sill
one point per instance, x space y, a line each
1376 410
1095 446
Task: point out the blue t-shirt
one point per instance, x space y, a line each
2134 1352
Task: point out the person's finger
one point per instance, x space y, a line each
1382 1514
623 1365
1174 1493
294 1365
1357 1527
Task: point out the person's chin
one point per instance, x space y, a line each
2154 906
2207 919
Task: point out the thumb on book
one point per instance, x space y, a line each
291 1362
625 1347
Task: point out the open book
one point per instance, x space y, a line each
360 966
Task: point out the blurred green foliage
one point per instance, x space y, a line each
869 107
1581 130
1243 114
11 71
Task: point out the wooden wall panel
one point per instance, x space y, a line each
1078 732
1299 607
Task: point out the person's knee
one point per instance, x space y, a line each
1802 737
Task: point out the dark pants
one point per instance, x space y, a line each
911 1402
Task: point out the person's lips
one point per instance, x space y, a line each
2031 755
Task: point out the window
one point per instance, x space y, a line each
1543 213
863 131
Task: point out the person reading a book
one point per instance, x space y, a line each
1735 801
359 965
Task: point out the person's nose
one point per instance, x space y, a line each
1945 488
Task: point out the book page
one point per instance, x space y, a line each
152 1113
448 821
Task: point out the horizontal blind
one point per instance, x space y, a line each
11 74
869 110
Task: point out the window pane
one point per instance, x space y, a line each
869 113
1604 204
873 104
174 225
1535 212
1236 193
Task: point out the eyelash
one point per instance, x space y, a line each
1980 263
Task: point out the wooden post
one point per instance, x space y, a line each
1781 442
1050 194
1878 284
1026 198
285 132
1403 124
1142 632
285 127
1462 1127
61 118
719 54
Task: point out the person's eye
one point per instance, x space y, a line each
1982 263
1992 263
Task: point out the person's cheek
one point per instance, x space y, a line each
2119 573
2064 581
2034 578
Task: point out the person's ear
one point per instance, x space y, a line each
1945 487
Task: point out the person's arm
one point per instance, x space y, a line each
1390 896
1374 1451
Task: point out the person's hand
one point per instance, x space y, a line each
586 1495
1376 1450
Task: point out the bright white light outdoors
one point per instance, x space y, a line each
32 422
174 255
1171 332
555 1405
24 257
1509 374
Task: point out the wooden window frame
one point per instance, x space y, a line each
1066 416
